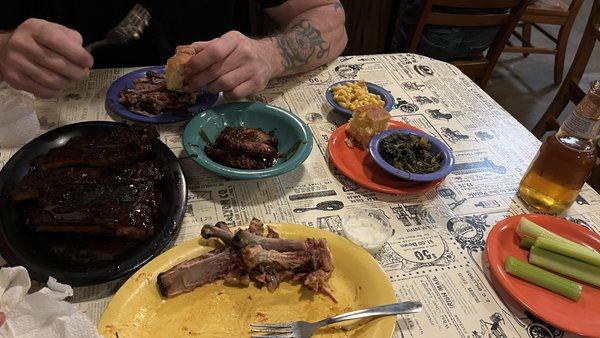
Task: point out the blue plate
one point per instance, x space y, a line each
288 128
437 147
126 81
373 88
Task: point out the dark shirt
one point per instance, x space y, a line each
173 23
446 42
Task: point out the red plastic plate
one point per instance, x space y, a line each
359 166
581 317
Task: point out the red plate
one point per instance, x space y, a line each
359 166
581 317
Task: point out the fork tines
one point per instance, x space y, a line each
279 330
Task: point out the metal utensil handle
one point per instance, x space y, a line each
304 209
377 311
96 44
130 27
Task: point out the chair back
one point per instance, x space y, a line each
557 13
435 12
575 6
569 90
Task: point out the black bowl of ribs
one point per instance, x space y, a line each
90 202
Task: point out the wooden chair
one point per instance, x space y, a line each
569 90
479 69
369 36
539 13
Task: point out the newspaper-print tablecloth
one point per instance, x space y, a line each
436 255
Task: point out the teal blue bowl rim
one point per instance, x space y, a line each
198 155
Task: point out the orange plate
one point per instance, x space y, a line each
581 317
359 166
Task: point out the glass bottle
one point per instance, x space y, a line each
565 159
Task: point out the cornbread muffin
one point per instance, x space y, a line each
174 70
366 122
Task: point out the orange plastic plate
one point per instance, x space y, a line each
359 166
581 317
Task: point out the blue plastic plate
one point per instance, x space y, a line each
288 129
373 88
126 81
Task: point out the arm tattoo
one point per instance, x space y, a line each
299 43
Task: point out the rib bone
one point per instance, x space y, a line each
219 230
190 274
249 256
244 238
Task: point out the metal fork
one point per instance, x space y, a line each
131 27
301 329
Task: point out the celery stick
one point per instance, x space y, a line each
526 242
543 278
531 229
565 265
587 256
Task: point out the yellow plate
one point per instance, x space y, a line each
216 310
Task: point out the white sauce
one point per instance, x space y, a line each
365 232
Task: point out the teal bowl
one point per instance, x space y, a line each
290 130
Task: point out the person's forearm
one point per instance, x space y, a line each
309 40
4 36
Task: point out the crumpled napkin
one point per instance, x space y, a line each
18 120
15 104
41 314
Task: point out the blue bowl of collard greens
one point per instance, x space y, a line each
411 155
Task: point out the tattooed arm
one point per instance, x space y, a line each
312 34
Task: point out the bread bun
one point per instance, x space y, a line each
174 74
366 122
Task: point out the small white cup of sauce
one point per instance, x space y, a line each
368 228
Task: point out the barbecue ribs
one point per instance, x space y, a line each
118 147
248 256
101 184
150 96
244 148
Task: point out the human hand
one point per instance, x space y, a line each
234 64
43 58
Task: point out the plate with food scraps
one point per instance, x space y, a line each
187 106
248 140
580 317
218 310
356 94
90 202
359 166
